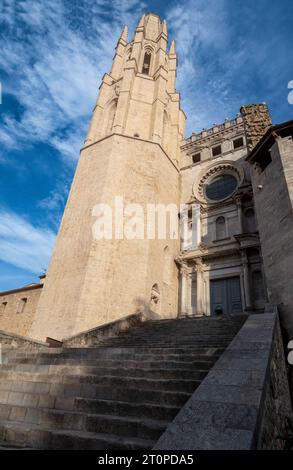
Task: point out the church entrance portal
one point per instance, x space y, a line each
226 296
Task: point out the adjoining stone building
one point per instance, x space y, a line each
221 270
271 163
135 148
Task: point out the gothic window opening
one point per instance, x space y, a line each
146 63
21 305
220 228
129 52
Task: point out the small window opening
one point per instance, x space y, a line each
21 305
217 150
196 157
237 143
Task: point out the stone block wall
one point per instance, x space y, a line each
11 319
91 282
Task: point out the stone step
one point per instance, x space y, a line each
22 379
169 343
40 437
119 395
129 363
211 354
79 421
121 408
167 373
188 334
103 351
42 394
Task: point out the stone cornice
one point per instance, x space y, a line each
21 289
133 138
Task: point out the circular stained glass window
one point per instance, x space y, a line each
221 187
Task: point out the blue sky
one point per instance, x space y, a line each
53 55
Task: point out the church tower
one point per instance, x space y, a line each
132 152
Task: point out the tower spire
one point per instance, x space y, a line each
164 27
141 21
124 34
172 48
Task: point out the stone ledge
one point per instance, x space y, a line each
231 408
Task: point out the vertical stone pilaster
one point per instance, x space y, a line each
247 293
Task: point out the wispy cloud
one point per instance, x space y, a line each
56 59
24 245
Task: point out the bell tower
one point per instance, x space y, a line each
132 151
138 97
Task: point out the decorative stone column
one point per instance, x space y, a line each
247 293
196 226
200 292
184 230
239 211
183 291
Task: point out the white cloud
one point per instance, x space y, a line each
55 54
24 245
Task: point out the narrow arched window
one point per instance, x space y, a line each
220 228
250 222
111 117
147 63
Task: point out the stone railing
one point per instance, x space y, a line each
94 336
244 402
13 341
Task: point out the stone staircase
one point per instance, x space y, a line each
120 395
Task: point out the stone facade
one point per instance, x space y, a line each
224 258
